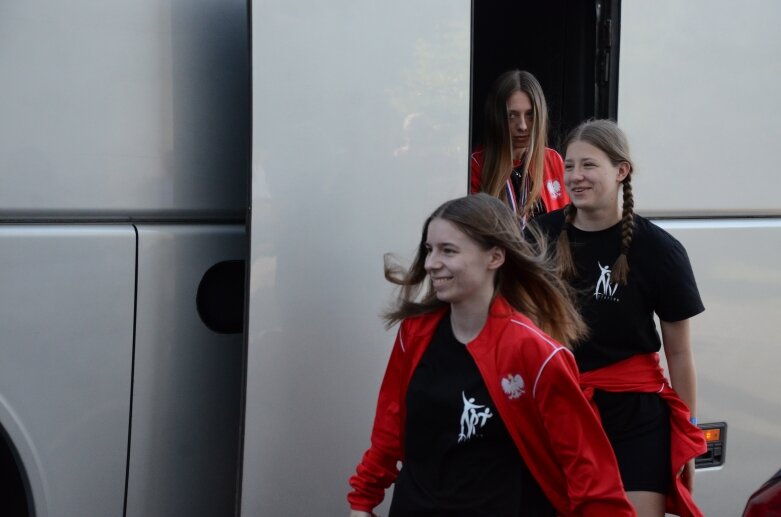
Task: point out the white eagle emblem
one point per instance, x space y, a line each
554 188
513 386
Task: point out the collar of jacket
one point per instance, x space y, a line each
499 314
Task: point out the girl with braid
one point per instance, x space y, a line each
514 163
626 269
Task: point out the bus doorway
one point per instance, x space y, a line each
571 47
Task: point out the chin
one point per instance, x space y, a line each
448 297
444 298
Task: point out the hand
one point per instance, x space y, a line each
687 475
358 513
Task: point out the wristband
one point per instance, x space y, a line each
693 420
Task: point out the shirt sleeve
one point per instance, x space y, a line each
554 180
378 468
678 297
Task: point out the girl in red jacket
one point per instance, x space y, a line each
480 403
627 270
514 163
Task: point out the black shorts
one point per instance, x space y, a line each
638 427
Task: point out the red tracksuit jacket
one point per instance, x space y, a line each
642 374
554 196
546 414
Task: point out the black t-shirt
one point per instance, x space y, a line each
620 317
459 459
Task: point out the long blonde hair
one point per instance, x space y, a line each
527 280
498 159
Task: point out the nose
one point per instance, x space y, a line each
431 263
522 124
575 173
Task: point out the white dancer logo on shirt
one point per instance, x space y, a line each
471 419
513 386
605 290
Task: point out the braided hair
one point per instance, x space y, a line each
606 136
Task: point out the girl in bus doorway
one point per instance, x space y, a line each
514 163
627 269
480 401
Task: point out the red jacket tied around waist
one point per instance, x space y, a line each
643 374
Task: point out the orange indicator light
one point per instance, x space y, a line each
712 435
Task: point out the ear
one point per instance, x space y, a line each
623 171
495 258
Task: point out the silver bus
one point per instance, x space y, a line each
372 108
123 169
195 198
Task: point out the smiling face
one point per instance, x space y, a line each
592 180
461 271
520 119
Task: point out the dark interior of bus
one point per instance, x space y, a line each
571 46
13 501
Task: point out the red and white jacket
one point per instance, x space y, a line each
533 382
643 374
554 195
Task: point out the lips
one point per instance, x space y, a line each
578 190
441 281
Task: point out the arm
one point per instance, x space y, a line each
578 442
676 338
378 467
680 361
554 171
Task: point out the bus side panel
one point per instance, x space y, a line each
360 129
698 86
187 378
736 352
698 98
66 342
123 108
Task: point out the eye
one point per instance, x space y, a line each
568 166
448 251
